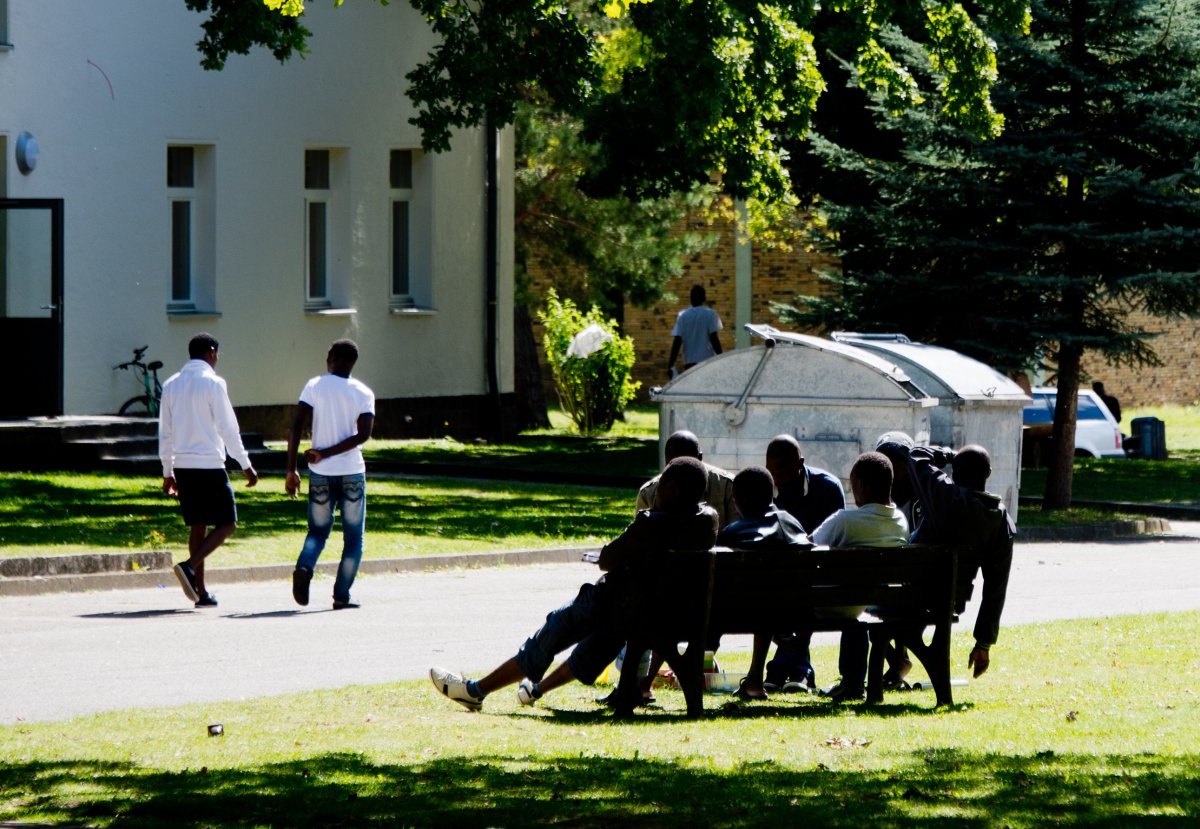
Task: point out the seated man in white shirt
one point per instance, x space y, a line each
876 523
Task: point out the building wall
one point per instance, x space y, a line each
775 275
1176 381
106 87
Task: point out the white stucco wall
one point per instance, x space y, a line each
106 87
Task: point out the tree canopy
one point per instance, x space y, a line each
672 92
1032 248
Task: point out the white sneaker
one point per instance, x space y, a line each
528 693
454 687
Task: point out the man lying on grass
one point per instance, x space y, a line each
680 520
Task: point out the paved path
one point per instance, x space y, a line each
67 654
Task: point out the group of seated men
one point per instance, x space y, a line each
902 494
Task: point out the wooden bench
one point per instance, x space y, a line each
687 599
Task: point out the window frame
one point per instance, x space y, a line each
5 43
182 194
400 195
325 190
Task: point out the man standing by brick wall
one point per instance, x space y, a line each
695 333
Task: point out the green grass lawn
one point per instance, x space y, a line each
630 449
58 513
1182 424
569 456
1125 479
1092 731
1173 481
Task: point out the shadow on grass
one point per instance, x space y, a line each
940 788
40 512
727 708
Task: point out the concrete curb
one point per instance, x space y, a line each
84 563
127 578
37 575
1108 531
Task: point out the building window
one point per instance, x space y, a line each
181 189
411 232
192 222
4 41
401 186
316 230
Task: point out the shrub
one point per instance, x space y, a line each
594 386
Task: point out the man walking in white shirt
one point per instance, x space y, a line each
196 428
342 412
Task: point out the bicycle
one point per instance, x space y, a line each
146 404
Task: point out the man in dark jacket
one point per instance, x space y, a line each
679 521
960 511
764 527
810 495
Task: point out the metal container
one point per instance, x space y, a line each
836 397
976 403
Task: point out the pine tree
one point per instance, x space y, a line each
1030 249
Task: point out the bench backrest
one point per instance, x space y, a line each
722 588
908 580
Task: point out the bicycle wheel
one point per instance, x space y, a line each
135 407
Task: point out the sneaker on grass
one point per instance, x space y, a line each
528 692
454 686
842 692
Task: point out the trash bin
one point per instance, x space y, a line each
836 397
1149 438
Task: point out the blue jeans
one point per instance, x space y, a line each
349 494
582 622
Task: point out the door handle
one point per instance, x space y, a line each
49 307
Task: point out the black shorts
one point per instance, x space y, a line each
205 497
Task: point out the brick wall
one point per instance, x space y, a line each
1177 381
776 276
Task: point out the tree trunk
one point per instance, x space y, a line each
1061 468
1060 472
531 395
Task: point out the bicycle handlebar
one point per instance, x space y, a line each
136 361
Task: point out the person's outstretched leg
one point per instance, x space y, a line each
557 678
470 693
563 627
508 673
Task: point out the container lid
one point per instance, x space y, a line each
940 371
794 368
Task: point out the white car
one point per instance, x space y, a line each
1097 433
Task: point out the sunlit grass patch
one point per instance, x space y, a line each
1062 731
59 513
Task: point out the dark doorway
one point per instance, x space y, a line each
31 312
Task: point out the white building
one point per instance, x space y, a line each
278 206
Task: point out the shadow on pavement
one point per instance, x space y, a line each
136 614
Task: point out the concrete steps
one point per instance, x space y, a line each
118 444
